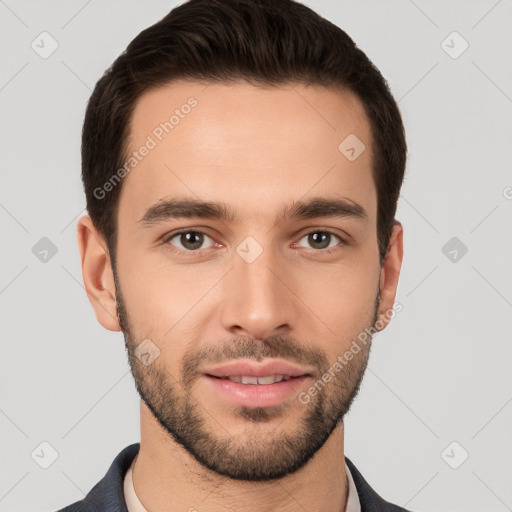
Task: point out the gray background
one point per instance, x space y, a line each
440 373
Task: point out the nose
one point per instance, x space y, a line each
257 297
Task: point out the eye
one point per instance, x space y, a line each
189 240
321 239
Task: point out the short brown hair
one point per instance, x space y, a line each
265 42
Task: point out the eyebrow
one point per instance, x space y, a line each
178 208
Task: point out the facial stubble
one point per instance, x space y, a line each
249 457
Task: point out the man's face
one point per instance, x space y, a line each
256 287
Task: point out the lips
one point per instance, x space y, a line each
249 372
250 379
250 384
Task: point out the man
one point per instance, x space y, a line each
242 162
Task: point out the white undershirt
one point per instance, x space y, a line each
134 505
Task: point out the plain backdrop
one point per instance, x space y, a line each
437 393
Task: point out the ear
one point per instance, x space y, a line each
97 273
389 275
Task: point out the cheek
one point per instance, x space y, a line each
161 298
341 299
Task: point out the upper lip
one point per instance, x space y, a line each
250 368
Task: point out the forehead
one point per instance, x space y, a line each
251 147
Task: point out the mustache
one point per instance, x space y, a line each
275 347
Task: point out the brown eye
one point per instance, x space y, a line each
189 240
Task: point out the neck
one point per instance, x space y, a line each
166 477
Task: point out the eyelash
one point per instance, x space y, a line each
179 252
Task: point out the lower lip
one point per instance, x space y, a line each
257 395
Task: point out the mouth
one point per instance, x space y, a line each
250 372
254 380
250 384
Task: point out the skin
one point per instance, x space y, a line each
256 149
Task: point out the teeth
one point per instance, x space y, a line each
249 380
268 379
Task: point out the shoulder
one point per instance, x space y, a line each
108 493
369 499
